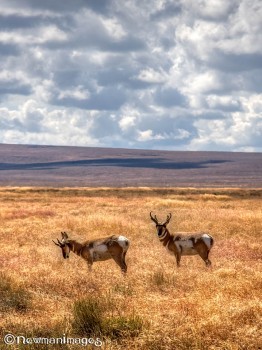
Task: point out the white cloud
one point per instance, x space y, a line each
253 105
226 103
145 135
114 28
158 74
148 135
182 134
126 122
150 75
78 93
203 83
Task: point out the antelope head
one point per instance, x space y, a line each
161 227
63 244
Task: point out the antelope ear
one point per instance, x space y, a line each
64 235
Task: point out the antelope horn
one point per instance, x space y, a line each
168 219
58 244
153 218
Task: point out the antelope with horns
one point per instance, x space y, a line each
113 247
180 244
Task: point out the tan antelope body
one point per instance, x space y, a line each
184 244
113 247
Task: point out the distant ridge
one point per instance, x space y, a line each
58 166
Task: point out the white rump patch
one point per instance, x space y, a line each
123 242
207 240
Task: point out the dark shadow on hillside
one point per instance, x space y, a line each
147 163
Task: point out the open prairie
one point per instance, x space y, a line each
156 306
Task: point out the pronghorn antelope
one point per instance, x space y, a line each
113 247
179 244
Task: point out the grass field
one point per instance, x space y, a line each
156 306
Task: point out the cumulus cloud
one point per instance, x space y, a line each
159 74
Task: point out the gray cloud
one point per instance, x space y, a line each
170 97
106 99
14 87
233 63
13 22
61 7
169 9
137 74
8 49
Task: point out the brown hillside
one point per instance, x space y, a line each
22 165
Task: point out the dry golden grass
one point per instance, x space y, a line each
156 306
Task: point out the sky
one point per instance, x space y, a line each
158 74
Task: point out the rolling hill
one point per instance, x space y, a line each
28 165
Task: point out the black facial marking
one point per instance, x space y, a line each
65 255
160 229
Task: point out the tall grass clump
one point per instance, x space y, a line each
13 296
88 317
124 326
160 279
91 319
